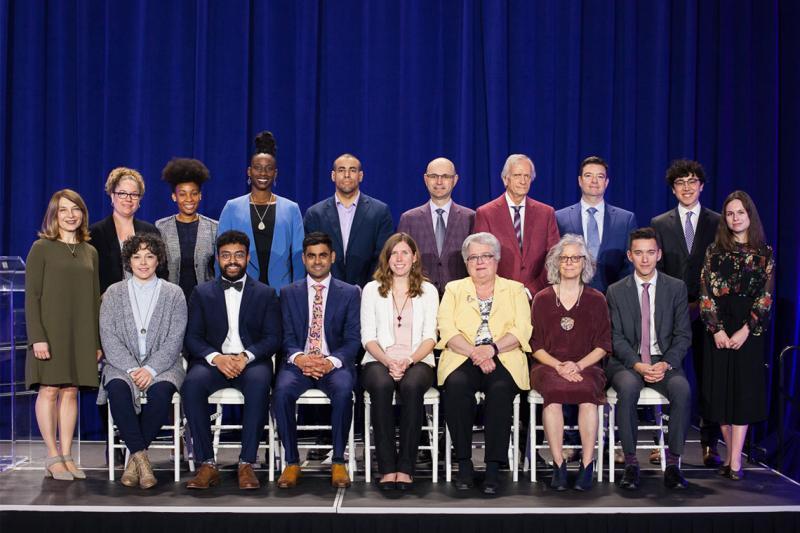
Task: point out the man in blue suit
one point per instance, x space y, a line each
347 214
322 336
605 228
233 330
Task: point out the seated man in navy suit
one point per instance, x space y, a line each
605 228
322 335
233 330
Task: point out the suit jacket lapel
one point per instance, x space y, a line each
503 215
528 228
246 294
607 225
660 300
302 303
636 309
678 228
331 308
427 231
703 226
219 296
362 208
576 219
333 222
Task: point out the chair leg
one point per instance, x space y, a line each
612 440
448 455
176 441
110 446
515 459
217 430
661 438
600 441
352 445
532 433
435 444
271 447
367 443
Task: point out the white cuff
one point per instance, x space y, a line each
335 361
250 356
151 370
210 358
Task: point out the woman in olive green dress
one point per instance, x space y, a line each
62 303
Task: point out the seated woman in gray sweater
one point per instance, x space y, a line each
142 322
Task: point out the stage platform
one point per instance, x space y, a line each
764 501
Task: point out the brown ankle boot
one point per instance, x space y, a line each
130 478
146 477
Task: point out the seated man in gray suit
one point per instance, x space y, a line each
651 333
440 226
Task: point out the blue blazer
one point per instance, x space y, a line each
342 320
260 325
372 225
286 254
612 259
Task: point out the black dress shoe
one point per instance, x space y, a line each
736 475
559 481
673 478
489 487
404 486
711 457
465 479
584 479
630 478
387 486
724 470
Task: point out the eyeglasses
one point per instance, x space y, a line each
443 177
483 258
688 182
269 169
571 258
226 256
122 195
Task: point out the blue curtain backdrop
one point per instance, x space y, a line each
90 85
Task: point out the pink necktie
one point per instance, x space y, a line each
645 348
315 331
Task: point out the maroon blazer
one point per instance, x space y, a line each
442 269
539 234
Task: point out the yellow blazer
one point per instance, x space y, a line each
459 314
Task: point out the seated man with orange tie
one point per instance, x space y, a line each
322 336
650 333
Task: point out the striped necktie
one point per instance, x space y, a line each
518 224
688 231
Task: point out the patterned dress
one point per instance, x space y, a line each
736 288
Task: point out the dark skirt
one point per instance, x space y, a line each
555 389
734 381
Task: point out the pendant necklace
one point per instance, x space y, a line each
567 322
143 331
261 226
400 312
71 248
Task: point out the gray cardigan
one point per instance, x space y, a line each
203 248
120 340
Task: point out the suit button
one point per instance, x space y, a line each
523 268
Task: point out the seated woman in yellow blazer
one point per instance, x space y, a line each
484 330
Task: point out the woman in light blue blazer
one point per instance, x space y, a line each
273 223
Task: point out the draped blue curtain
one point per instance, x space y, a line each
90 85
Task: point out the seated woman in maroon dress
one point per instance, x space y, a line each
571 335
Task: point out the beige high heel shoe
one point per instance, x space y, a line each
76 471
61 476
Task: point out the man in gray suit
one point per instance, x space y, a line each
440 226
651 333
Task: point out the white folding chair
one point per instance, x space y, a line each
317 397
231 396
431 426
648 396
534 399
513 450
175 445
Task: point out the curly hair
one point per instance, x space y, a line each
266 144
553 261
383 274
681 168
185 170
50 229
148 241
122 173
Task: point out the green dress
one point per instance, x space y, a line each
62 305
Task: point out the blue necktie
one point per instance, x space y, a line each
592 234
688 231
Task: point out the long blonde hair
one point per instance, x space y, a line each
50 230
383 274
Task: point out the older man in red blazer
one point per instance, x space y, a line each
440 225
525 228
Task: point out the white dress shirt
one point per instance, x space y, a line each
435 216
696 215
654 349
599 217
511 211
323 347
233 342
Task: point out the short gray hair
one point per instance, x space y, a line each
553 259
516 158
486 239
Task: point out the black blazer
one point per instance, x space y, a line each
104 239
676 260
260 326
372 225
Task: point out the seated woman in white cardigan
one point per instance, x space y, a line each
142 322
398 331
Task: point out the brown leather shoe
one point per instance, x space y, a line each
289 477
207 476
711 458
339 477
247 478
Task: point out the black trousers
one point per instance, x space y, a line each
138 431
459 405
709 430
411 391
675 386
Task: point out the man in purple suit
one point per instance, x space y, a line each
440 225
